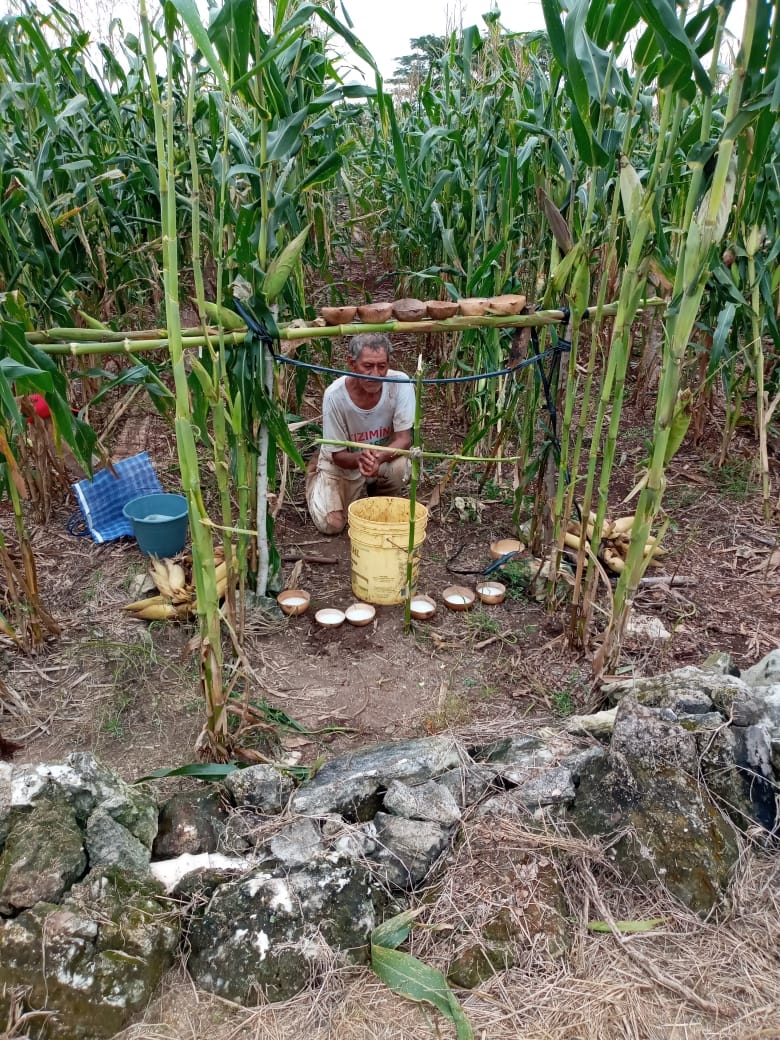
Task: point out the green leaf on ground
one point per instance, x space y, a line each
409 977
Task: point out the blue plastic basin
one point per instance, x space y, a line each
159 523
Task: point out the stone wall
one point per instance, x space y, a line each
265 880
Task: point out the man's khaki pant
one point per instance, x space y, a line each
329 497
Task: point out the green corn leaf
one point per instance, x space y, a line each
281 266
552 19
395 930
681 420
9 410
399 152
276 420
204 379
661 16
627 926
140 375
411 978
430 138
720 337
215 771
37 381
450 248
231 32
563 269
191 17
93 323
444 178
286 140
591 151
223 316
622 19
588 65
596 20
323 171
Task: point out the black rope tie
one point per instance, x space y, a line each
258 329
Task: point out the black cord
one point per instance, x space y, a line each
257 328
427 382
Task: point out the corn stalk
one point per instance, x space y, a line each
704 234
214 736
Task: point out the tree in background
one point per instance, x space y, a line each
412 70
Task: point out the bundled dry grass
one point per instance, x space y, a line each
688 979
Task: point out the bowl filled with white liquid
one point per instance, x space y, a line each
360 613
294 601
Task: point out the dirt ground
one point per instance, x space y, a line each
128 691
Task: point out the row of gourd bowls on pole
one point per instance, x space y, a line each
418 310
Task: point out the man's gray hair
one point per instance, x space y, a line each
370 341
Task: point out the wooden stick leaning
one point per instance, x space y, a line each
415 476
416 453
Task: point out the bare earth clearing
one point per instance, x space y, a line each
129 692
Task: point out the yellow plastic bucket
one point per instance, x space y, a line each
379 538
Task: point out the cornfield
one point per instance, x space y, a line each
621 168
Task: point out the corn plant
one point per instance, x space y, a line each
24 369
271 86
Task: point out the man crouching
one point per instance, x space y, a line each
365 411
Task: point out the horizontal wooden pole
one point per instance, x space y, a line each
80 342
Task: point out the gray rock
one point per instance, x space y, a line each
519 749
647 790
705 723
297 843
686 690
651 740
721 663
528 921
517 759
580 761
469 784
753 753
765 673
600 724
109 844
82 781
350 785
407 849
42 857
136 811
355 799
355 842
723 779
106 950
264 937
261 787
550 787
428 801
190 822
760 708
6 772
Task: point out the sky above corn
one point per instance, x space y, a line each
386 29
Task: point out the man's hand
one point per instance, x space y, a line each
368 463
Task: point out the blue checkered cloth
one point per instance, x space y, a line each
102 499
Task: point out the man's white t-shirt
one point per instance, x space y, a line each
342 420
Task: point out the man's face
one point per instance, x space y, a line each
373 361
